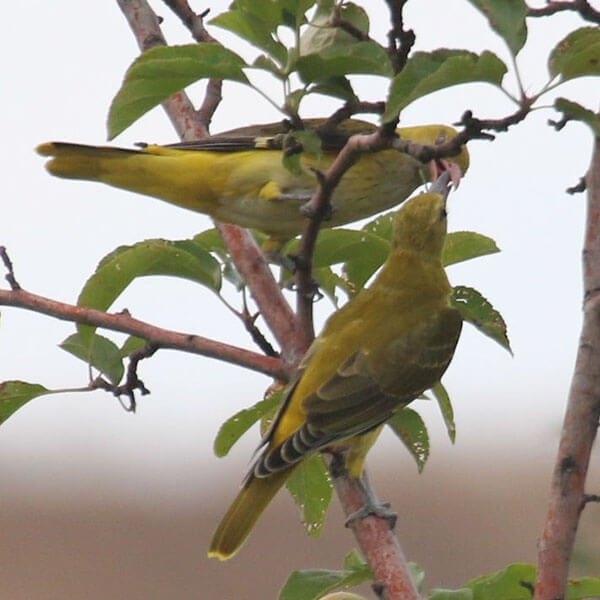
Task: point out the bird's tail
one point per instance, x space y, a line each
182 178
76 161
242 515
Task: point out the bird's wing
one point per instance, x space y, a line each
366 390
277 136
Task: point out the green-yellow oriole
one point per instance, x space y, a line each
376 354
238 177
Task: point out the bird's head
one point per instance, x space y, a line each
421 224
433 135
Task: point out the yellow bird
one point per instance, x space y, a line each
379 352
238 177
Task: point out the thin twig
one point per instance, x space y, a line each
580 425
337 20
132 381
578 188
583 7
400 40
193 21
317 210
355 107
214 87
257 335
10 274
161 338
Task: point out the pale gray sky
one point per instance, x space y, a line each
64 61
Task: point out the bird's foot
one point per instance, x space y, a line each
375 509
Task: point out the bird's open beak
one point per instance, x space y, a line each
442 184
439 166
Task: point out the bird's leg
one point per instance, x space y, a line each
372 507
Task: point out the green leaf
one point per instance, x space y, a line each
408 425
165 70
507 19
186 259
312 584
427 72
514 582
311 488
293 11
264 63
461 594
212 242
382 226
336 87
353 561
575 112
320 34
298 142
577 55
336 246
97 351
586 587
270 12
367 58
418 574
443 399
342 596
329 282
478 311
132 344
361 252
256 29
466 245
15 394
233 429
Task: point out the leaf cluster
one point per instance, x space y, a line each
316 47
516 582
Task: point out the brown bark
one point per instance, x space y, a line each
567 494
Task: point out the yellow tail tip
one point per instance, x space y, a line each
46 149
218 554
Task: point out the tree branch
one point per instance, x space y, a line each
157 336
214 87
377 540
400 40
246 255
583 7
317 210
580 425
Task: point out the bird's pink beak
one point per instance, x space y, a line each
441 165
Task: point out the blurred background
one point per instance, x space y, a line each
98 503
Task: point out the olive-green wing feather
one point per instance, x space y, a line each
366 390
277 136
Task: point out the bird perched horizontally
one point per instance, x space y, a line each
238 177
379 352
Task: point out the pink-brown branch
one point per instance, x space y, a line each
567 494
161 338
317 210
377 540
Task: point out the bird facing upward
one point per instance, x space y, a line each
379 352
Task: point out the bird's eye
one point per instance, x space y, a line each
443 214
